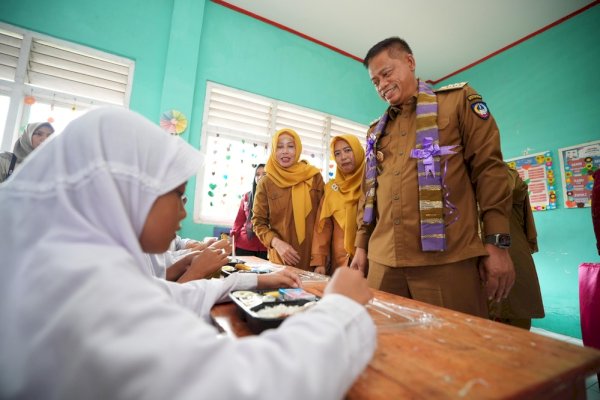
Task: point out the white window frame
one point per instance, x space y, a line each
18 89
263 117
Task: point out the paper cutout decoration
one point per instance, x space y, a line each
578 164
173 121
536 171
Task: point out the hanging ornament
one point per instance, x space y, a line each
173 121
29 100
51 120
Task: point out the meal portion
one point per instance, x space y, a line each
265 309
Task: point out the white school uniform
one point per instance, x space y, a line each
81 315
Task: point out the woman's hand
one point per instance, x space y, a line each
350 283
320 270
288 254
222 244
282 278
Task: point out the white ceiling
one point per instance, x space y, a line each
445 35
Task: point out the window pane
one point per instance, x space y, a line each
228 173
4 102
58 116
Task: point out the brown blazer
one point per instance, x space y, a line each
328 245
273 216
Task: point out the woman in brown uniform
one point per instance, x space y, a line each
335 231
285 207
524 301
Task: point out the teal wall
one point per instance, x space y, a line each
544 94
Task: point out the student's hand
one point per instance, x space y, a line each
282 278
360 261
350 283
178 268
209 240
497 272
203 265
222 244
320 270
288 254
195 245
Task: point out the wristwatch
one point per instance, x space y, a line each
501 240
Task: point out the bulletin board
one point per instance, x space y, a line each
536 171
577 165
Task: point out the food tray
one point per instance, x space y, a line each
254 268
232 261
253 305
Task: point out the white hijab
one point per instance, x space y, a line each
79 204
94 183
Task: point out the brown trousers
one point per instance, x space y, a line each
456 286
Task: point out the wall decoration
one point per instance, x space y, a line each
173 121
536 171
577 164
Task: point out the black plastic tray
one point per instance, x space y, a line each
250 305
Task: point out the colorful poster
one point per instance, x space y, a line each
577 164
536 171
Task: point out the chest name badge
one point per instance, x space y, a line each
480 109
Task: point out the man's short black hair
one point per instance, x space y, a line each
393 44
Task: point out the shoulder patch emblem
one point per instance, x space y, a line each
474 97
452 86
480 109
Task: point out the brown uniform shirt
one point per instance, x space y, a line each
273 216
525 298
475 173
328 245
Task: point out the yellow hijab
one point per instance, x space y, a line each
342 194
298 176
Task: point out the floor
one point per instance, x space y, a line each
591 383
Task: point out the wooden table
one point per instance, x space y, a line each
458 357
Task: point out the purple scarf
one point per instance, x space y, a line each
428 152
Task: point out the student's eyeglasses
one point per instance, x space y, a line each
183 199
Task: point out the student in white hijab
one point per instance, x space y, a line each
81 315
34 134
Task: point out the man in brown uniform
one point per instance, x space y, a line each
428 167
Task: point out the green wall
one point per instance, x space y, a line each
544 94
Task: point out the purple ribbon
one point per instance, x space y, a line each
429 150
